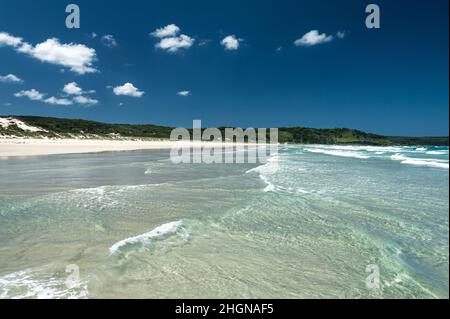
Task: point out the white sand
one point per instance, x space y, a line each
30 147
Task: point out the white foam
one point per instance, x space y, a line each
270 187
430 162
98 191
367 148
302 191
338 153
437 153
266 170
26 284
165 229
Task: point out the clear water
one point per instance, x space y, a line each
304 225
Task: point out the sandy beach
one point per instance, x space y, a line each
11 147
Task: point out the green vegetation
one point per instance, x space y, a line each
67 128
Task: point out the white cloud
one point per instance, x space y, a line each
93 35
57 101
313 37
10 78
72 88
109 41
31 94
204 42
167 31
128 89
170 40
173 44
231 42
79 99
76 57
341 34
9 40
184 93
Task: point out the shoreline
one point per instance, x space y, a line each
24 147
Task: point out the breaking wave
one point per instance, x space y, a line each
431 162
337 153
160 231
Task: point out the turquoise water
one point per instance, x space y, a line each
306 224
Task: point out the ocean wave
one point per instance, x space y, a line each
269 186
102 190
26 284
338 153
103 197
366 148
266 170
302 191
437 152
430 162
160 231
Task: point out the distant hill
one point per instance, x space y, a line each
40 127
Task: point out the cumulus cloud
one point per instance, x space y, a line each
76 57
230 42
169 30
109 41
312 38
73 96
173 44
8 40
128 89
10 78
80 99
57 101
31 94
35 95
170 40
184 93
72 88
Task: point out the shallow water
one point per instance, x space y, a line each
306 224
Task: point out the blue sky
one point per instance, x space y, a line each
235 63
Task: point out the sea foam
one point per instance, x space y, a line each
163 230
338 153
430 162
267 169
27 284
